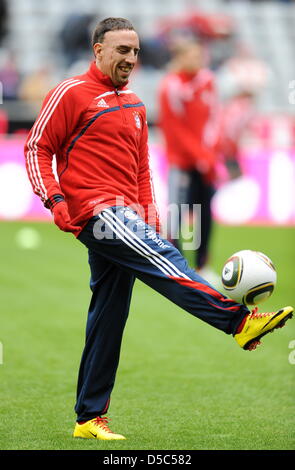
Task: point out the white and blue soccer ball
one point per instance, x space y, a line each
249 277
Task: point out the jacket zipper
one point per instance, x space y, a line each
121 107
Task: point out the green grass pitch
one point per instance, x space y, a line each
181 384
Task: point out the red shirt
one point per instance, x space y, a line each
99 135
237 113
189 121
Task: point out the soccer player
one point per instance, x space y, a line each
188 119
96 127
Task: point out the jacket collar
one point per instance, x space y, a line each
95 73
187 76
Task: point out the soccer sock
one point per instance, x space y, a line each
83 422
241 325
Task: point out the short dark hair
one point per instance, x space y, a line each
109 24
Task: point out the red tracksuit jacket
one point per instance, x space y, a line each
99 135
188 119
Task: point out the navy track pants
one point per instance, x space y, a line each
188 187
121 248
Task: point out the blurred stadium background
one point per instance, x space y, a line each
250 47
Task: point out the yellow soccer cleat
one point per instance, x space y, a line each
257 325
96 428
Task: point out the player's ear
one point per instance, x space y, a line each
97 47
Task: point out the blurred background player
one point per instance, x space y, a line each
188 119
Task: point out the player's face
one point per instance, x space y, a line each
192 58
117 55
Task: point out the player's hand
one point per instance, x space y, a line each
206 165
62 218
